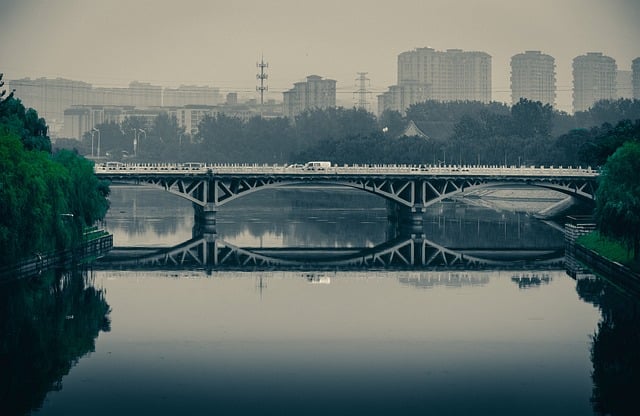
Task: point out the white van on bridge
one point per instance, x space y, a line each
317 165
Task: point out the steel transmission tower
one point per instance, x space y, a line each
362 92
262 76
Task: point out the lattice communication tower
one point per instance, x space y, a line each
262 77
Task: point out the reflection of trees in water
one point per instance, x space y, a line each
46 326
307 217
531 280
138 210
615 348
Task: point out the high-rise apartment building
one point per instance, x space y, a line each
594 79
315 92
635 78
533 77
427 74
624 86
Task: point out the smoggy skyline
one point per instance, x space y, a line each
218 43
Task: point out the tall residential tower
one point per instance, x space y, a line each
635 76
427 74
594 79
533 77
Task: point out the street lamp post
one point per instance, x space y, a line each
142 131
92 133
135 140
98 140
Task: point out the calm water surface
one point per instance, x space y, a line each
458 342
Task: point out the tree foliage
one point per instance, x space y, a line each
16 120
618 197
45 200
608 111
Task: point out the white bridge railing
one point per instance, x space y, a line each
417 170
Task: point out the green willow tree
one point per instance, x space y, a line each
618 197
45 200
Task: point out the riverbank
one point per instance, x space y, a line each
609 249
606 257
96 244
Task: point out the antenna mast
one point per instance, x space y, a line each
262 76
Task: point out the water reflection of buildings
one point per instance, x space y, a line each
449 279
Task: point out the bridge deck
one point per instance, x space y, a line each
196 169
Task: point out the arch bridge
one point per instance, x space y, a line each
412 188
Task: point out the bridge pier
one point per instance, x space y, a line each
407 220
205 218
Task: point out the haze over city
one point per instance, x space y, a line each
218 43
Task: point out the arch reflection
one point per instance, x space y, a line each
415 251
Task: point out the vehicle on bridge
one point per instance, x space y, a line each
191 166
317 165
113 165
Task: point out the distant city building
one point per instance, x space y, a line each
315 92
635 78
50 97
137 94
190 116
143 94
190 95
80 119
624 86
594 79
533 77
400 97
427 74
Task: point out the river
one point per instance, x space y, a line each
513 338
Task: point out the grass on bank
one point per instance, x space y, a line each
611 249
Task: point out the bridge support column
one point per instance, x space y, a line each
205 218
412 221
406 220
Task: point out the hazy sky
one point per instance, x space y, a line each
217 43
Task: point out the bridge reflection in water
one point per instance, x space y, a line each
210 252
